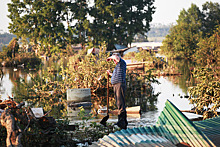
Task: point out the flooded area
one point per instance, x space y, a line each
168 88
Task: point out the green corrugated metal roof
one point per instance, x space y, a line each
210 127
180 128
133 137
172 127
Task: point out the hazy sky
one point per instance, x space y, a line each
167 11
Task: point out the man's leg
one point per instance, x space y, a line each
119 92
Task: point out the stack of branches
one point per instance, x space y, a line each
8 110
23 127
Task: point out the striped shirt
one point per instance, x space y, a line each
119 73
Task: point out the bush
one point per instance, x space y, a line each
206 94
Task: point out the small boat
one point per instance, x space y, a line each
130 110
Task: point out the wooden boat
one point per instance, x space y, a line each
130 110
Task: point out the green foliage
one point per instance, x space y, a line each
44 91
209 49
140 91
90 131
88 71
192 26
28 60
39 21
206 94
55 50
144 55
43 22
82 114
78 18
211 12
183 38
119 21
12 48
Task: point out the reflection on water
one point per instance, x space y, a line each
6 84
8 81
171 88
168 90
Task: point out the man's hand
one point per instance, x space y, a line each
109 72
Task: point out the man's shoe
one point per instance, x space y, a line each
122 121
122 125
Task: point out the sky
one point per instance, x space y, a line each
167 11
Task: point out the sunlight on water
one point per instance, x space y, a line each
6 87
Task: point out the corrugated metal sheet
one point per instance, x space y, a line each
211 128
172 127
133 137
178 128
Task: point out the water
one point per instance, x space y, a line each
171 88
168 91
6 84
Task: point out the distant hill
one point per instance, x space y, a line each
5 38
156 34
158 30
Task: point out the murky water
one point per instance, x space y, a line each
171 88
168 90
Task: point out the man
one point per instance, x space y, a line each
119 86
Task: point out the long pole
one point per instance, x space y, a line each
107 94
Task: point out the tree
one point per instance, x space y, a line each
192 26
209 49
79 10
12 48
211 12
41 21
111 22
206 94
186 34
119 21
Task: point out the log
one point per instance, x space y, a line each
190 111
